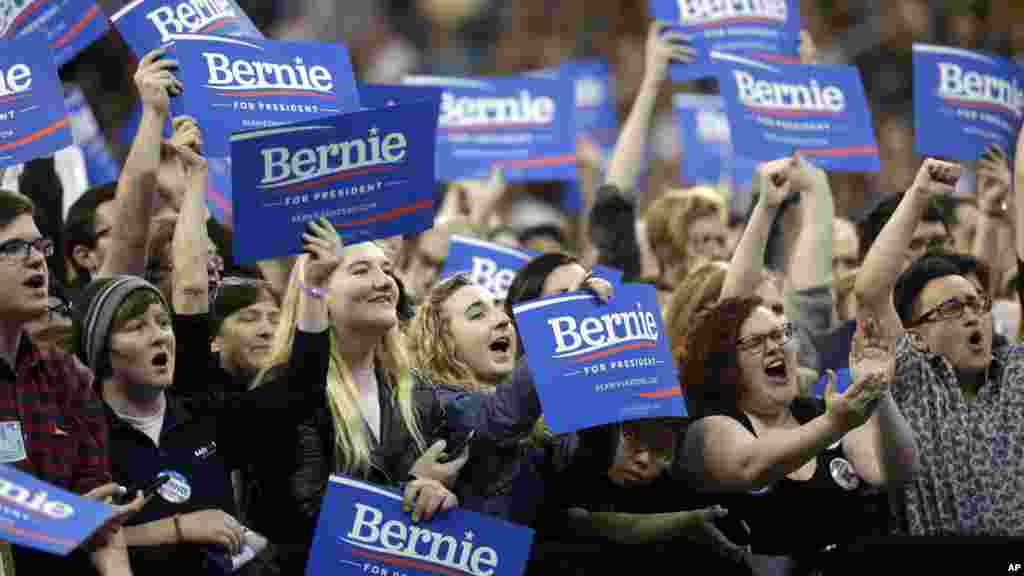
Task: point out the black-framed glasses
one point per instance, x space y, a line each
20 248
58 306
954 308
757 343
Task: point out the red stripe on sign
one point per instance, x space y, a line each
26 13
77 28
535 162
35 135
338 176
241 94
849 151
407 562
663 393
216 24
738 20
390 215
493 127
613 351
18 96
791 113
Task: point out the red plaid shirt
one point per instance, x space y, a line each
62 420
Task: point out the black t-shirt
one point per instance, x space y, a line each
792 517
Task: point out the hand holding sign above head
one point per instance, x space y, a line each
663 46
993 180
156 83
936 178
324 245
187 133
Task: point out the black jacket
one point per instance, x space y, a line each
393 458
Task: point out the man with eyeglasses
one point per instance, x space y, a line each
963 399
53 423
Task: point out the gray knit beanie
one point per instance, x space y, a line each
94 312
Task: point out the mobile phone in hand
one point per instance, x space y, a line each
147 489
454 451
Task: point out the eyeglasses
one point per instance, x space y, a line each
757 343
18 248
954 309
57 306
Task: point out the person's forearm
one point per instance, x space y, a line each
628 158
986 248
312 314
191 260
160 532
747 264
811 263
277 272
632 528
136 198
894 443
112 559
1018 199
775 454
885 258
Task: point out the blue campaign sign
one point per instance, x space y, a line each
149 24
776 110
764 30
964 101
100 165
363 530
382 95
33 121
236 85
491 265
524 124
218 191
599 363
69 26
41 516
596 117
363 171
612 275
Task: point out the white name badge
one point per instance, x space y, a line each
12 443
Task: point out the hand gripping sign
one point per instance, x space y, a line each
363 530
235 85
776 110
523 124
33 121
965 101
764 30
39 515
149 24
68 26
370 173
599 363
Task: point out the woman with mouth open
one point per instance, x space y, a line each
799 472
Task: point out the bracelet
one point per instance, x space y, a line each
312 291
177 529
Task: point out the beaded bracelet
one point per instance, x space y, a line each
312 291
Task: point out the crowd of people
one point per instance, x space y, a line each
134 346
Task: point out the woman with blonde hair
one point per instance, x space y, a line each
378 422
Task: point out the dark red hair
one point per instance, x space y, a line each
711 374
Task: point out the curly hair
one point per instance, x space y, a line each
669 220
711 375
430 340
699 291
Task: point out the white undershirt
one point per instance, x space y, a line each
369 401
151 426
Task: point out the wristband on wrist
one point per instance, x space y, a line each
312 291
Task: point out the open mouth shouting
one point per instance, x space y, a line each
161 361
776 371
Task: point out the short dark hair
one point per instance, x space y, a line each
528 283
80 226
927 268
12 205
871 225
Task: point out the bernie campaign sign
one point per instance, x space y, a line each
382 95
100 165
364 171
491 265
236 85
33 121
597 363
69 26
218 190
965 101
523 124
819 111
363 530
494 266
764 30
41 516
149 24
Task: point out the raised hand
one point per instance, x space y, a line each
872 366
805 175
936 178
993 179
324 245
187 134
156 83
663 46
775 182
808 49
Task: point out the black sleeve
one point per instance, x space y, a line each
271 411
196 377
579 460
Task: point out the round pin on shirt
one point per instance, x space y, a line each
176 490
844 474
